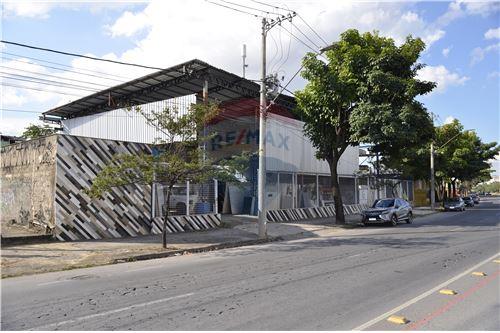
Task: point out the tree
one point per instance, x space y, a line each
180 158
460 156
365 92
36 131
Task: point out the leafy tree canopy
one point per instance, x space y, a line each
364 92
36 131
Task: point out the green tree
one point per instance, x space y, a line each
180 158
364 92
460 156
36 131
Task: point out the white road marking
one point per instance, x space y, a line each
418 298
458 229
106 313
52 282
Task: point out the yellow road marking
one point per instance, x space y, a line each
496 261
479 273
447 292
398 320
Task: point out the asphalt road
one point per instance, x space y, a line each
352 281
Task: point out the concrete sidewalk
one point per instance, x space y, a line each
236 231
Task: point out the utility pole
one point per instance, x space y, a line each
433 198
244 56
261 179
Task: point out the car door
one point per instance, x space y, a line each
400 209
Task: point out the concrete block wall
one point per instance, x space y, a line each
28 182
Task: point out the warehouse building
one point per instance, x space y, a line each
102 124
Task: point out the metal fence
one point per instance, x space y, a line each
185 199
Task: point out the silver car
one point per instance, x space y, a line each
388 210
456 204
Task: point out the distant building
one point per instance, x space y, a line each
9 139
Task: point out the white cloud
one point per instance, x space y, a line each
460 8
492 34
28 9
478 54
494 75
446 51
129 24
449 120
442 76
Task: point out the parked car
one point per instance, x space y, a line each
475 198
469 201
487 194
388 211
454 204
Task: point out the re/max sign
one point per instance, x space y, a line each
247 136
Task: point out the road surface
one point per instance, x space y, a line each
353 281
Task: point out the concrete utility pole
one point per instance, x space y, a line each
244 56
262 137
433 198
266 26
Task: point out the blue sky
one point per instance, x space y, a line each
462 56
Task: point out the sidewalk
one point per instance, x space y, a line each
236 231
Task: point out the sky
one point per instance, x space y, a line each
462 54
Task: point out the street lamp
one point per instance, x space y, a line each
433 196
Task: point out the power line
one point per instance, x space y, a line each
303 20
73 67
235 9
273 6
30 79
48 75
78 55
303 34
42 90
62 69
298 39
247 7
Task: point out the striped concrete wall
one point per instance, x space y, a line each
125 211
186 223
298 214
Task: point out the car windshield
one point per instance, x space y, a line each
466 198
384 203
453 200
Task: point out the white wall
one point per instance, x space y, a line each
124 125
287 148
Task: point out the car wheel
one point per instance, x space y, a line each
410 218
394 220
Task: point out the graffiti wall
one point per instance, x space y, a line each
28 181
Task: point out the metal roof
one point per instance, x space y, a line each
180 80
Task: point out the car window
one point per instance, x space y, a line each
384 203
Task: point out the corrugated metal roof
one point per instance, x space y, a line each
180 80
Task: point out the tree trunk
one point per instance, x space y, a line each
337 196
449 191
165 219
453 184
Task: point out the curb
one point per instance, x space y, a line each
22 240
208 248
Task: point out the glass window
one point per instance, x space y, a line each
384 203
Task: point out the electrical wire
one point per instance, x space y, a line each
247 7
77 55
273 6
72 67
43 90
299 40
54 76
235 9
29 79
303 20
303 34
62 69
